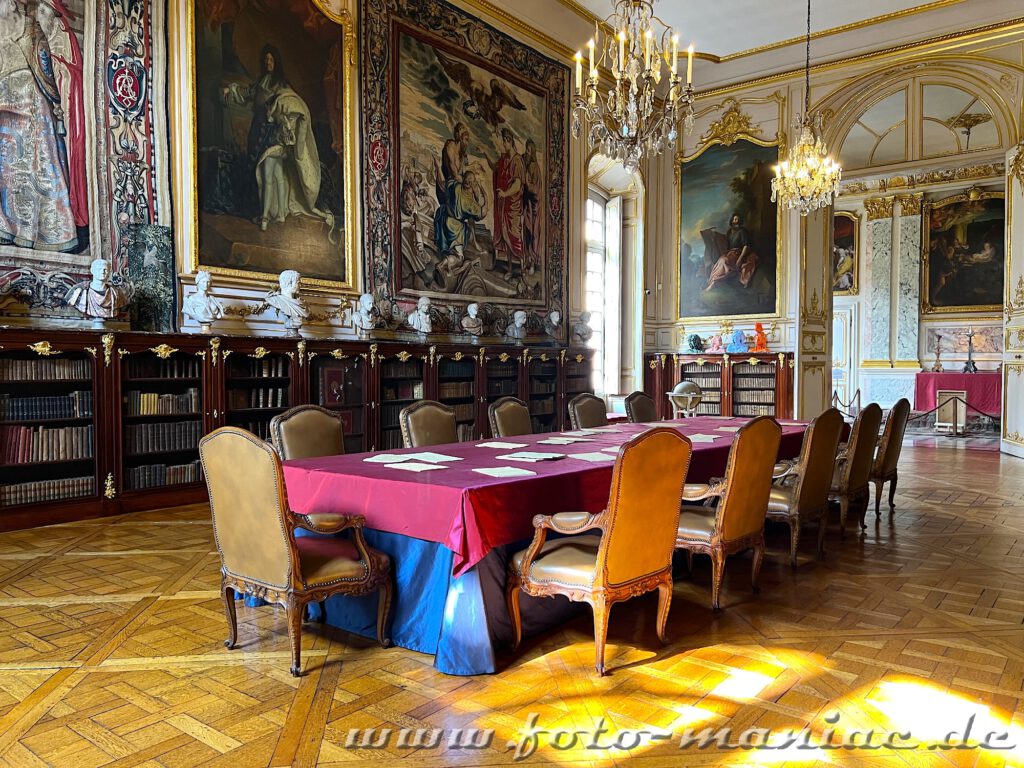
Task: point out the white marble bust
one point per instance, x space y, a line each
365 316
471 321
96 298
581 331
201 306
552 322
286 301
419 319
517 328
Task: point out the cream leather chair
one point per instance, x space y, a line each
628 550
427 422
853 465
509 417
736 522
587 410
307 432
887 461
259 552
640 408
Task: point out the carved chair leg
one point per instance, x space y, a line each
717 574
878 496
822 528
383 611
794 540
601 611
755 571
664 603
864 503
228 595
323 612
844 510
689 562
295 611
892 494
512 598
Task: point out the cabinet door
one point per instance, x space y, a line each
338 381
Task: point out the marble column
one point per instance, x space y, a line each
879 348
908 297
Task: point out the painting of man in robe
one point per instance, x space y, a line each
44 202
472 185
844 253
269 131
966 253
728 229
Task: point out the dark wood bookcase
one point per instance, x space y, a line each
98 423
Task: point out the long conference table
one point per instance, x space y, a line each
451 529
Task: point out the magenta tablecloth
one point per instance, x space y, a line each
470 513
984 390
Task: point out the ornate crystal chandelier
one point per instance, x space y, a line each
808 179
626 123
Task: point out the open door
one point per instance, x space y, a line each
1013 318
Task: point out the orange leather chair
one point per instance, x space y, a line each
307 432
631 552
509 417
427 422
853 465
736 522
640 408
587 410
887 461
259 552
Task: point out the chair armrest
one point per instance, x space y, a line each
786 468
328 523
700 491
569 522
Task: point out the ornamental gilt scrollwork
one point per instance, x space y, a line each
163 351
107 342
338 354
1016 304
1016 169
879 208
733 125
302 352
815 312
214 349
43 349
109 489
260 352
403 356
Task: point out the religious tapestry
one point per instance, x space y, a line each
728 233
465 137
845 253
270 96
964 253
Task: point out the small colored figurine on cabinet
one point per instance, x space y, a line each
715 343
738 344
760 339
696 343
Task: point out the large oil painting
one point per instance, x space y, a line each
845 253
270 91
465 137
728 232
965 252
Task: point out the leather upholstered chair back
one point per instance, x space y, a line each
818 460
247 499
860 450
509 417
587 410
427 422
892 439
640 408
307 432
748 476
643 506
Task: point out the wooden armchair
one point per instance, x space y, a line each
427 422
631 552
801 492
885 469
259 551
640 408
509 416
853 465
307 432
587 410
736 522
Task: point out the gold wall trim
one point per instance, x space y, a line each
981 172
910 205
879 208
876 364
906 364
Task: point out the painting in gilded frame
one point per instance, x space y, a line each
845 253
273 162
964 253
728 230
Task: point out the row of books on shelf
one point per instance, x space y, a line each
540 425
274 366
541 387
390 439
748 368
176 367
705 382
753 396
396 369
754 382
164 436
155 475
746 409
498 368
456 368
503 387
259 397
709 409
74 405
403 390
455 389
464 432
543 370
157 404
259 428
50 369
46 490
543 406
29 445
465 411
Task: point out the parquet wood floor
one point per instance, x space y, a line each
111 651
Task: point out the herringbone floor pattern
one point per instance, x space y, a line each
111 652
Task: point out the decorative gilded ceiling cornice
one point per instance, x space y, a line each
982 171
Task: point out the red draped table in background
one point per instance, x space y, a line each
984 390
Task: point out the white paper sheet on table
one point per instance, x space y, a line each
565 440
504 471
699 438
386 458
612 449
595 456
581 432
415 466
436 458
728 429
499 444
532 456
599 430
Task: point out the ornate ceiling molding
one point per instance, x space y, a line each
994 170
